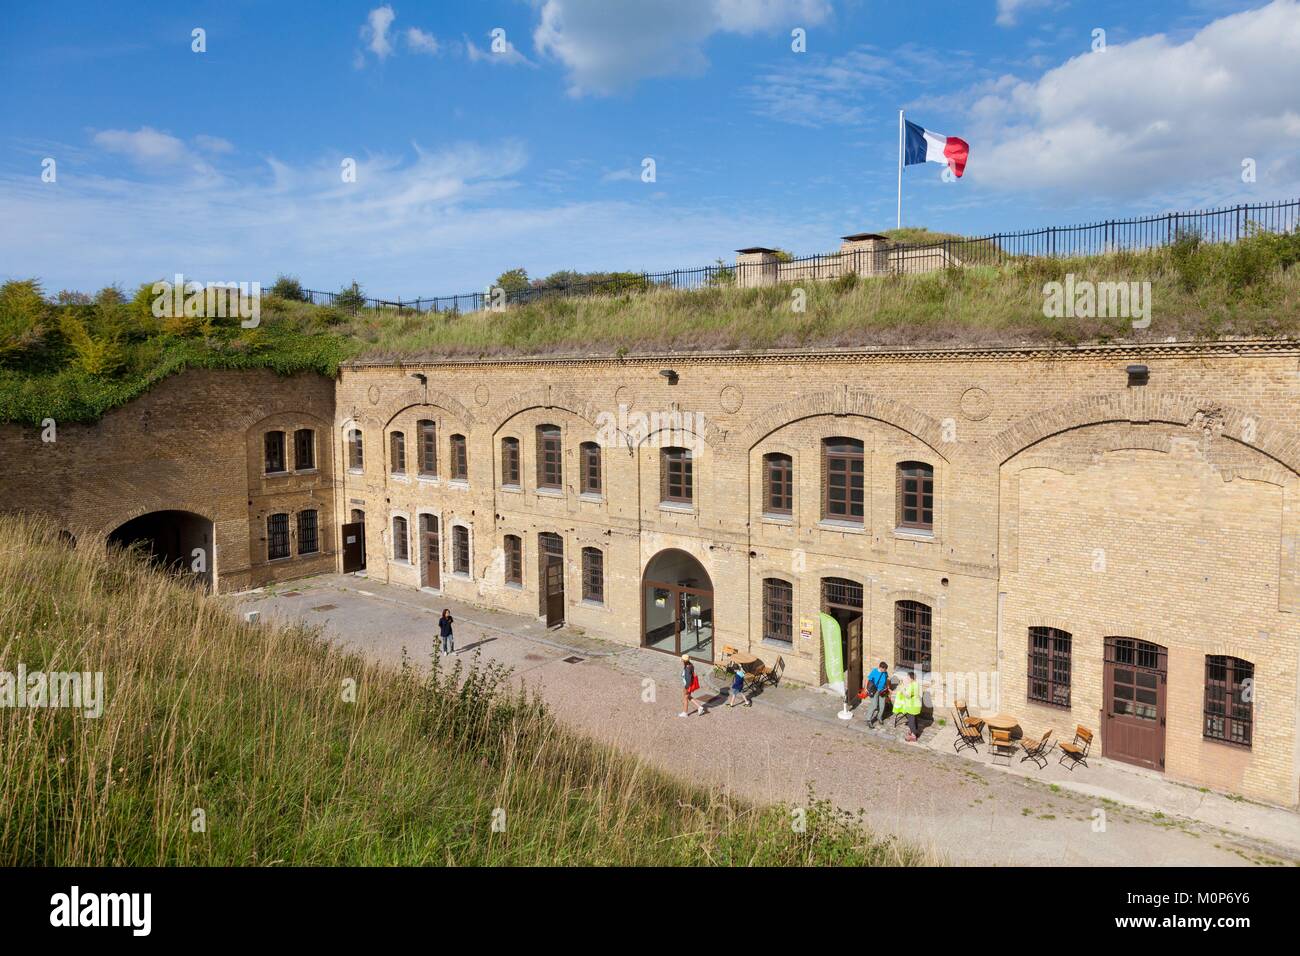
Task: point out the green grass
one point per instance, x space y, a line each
249 724
1198 292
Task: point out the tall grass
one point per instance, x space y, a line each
224 743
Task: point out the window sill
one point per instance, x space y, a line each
399 476
594 497
287 557
913 534
404 562
306 471
515 585
458 483
587 602
549 492
427 479
283 473
840 524
677 507
461 576
513 489
778 645
770 518
356 471
309 554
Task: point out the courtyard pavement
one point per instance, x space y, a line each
959 807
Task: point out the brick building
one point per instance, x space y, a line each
1102 535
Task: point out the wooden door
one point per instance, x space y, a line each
354 547
853 674
1133 712
554 589
430 552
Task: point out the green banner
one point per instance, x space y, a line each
832 650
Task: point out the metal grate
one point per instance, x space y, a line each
839 592
574 660
324 607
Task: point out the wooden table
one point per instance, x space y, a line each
742 659
1002 722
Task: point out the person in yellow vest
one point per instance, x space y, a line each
907 700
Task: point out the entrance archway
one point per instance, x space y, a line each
677 606
178 541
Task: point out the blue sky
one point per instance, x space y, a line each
226 164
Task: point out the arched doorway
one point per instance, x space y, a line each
179 541
677 606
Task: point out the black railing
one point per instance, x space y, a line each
1225 224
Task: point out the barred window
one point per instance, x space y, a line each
510 462
304 449
355 457
915 495
397 457
274 443
590 468
549 461
778 484
514 559
676 478
593 575
1049 665
401 543
427 439
842 482
778 611
277 536
459 458
460 549
308 539
912 636
1229 699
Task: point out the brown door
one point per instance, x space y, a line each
853 675
430 553
354 547
554 583
1133 714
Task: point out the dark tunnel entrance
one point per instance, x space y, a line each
179 541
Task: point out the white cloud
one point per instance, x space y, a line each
421 42
213 144
506 55
375 31
1009 10
608 47
146 146
1152 115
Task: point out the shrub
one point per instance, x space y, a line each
288 287
350 298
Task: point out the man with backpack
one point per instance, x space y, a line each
877 694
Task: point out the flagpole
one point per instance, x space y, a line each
900 169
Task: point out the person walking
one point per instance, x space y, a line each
908 701
690 684
444 628
737 688
877 694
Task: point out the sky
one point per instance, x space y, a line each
503 133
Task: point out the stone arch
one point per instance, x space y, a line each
437 399
847 401
548 397
1139 406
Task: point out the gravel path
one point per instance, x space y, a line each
960 809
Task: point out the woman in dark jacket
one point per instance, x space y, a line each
444 628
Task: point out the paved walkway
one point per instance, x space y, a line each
959 807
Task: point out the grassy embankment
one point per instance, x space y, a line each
249 724
75 361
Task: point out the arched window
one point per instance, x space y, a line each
778 611
459 458
460 549
277 536
397 453
590 453
842 479
549 458
356 459
676 478
778 484
1229 699
274 445
1049 665
304 449
514 548
593 575
308 536
915 495
427 437
912 637
510 462
401 542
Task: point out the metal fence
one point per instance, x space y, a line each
1224 224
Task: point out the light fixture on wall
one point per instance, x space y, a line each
669 374
1137 375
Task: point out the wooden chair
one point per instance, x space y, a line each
772 675
967 736
1001 745
1038 750
1077 750
963 715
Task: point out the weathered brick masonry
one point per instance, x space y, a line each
1065 496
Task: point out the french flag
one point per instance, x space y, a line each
924 146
